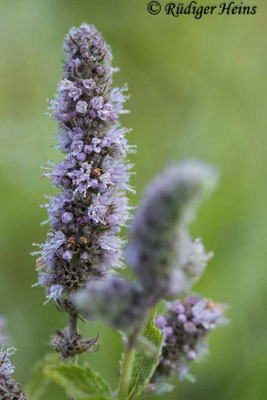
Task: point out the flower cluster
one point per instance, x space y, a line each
186 327
69 346
9 388
91 207
160 250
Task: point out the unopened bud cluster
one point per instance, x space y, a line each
69 347
186 327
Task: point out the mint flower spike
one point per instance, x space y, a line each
87 214
9 388
186 327
160 250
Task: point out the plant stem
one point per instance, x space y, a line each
126 368
73 322
72 325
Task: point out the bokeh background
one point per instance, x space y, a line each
198 89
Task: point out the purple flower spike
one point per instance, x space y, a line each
92 206
160 249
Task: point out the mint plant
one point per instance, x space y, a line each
80 263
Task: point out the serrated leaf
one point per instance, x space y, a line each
39 382
145 362
79 382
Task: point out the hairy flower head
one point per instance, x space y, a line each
91 207
160 250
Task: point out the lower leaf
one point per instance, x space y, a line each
79 382
39 382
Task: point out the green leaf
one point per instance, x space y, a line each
79 382
145 361
39 382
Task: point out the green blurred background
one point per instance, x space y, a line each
198 88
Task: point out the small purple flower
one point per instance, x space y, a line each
67 255
182 318
75 93
96 213
191 355
179 308
81 107
81 157
96 145
65 84
161 321
81 178
67 217
89 83
97 103
84 256
189 327
88 149
167 332
54 292
43 279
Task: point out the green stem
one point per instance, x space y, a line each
127 368
72 327
73 323
125 374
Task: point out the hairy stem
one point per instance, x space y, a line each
73 323
127 367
